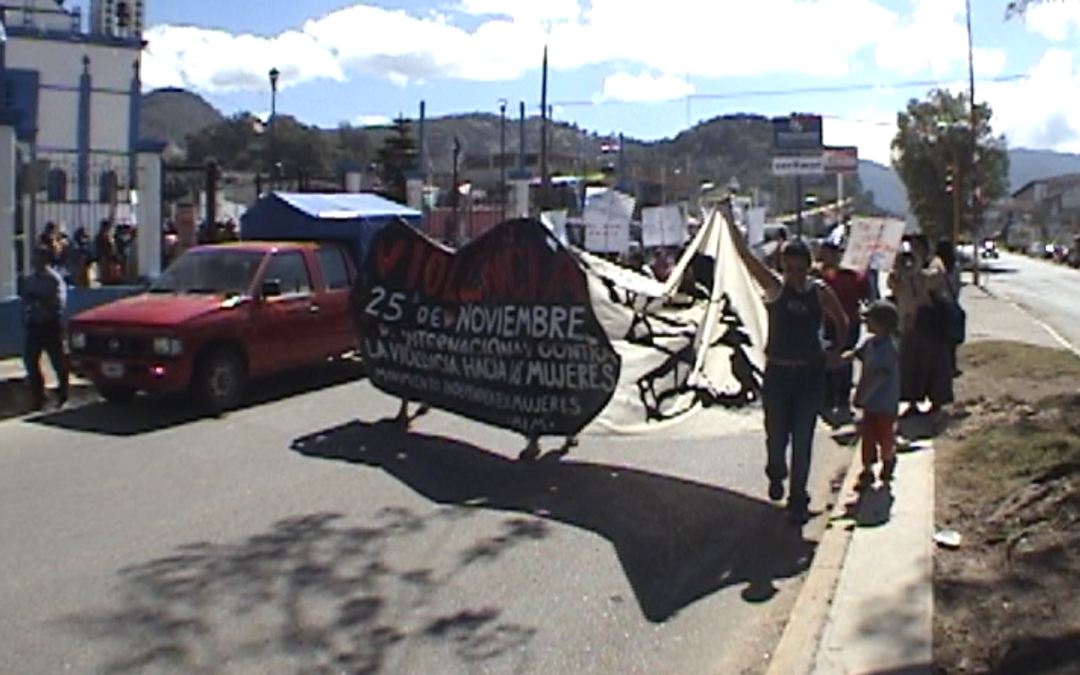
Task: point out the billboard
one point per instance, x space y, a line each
840 159
797 132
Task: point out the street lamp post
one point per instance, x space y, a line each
502 157
455 194
274 75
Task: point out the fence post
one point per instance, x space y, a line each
8 171
149 216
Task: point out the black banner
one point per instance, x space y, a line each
501 331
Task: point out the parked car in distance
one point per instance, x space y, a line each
216 317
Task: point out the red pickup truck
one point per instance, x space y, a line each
217 316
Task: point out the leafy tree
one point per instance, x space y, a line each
932 155
243 143
301 149
353 144
1020 7
232 143
397 158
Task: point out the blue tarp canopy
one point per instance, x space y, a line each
350 218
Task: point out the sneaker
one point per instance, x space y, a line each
776 490
865 482
888 470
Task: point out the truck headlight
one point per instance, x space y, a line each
164 346
78 340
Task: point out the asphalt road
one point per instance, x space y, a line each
294 536
1050 292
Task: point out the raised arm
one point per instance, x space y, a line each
834 311
768 279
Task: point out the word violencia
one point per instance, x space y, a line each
503 271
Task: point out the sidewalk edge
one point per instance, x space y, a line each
797 651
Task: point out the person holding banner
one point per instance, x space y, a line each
795 364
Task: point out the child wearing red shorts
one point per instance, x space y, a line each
878 392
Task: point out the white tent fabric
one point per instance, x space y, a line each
683 355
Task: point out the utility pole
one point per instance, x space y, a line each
974 149
455 195
503 192
545 179
274 75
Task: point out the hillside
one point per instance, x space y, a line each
729 146
174 114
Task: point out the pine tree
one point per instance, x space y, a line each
397 158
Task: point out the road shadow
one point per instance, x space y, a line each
147 414
15 399
870 508
313 595
677 540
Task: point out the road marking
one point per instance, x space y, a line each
1050 330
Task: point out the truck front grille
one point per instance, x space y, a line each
117 345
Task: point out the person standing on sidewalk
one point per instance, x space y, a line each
852 288
795 364
44 295
878 392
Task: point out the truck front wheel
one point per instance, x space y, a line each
218 384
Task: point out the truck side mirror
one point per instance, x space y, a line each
271 288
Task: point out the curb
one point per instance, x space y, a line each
797 651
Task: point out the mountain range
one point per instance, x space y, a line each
728 146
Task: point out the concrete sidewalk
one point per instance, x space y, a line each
866 607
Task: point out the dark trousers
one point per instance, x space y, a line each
791 396
48 337
840 381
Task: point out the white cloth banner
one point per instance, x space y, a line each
663 226
872 243
556 222
607 219
683 355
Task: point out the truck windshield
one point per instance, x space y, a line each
210 271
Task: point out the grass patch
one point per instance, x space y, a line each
1002 359
1022 452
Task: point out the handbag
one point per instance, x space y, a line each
951 321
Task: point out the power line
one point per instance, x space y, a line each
797 91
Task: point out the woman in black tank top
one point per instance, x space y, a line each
795 363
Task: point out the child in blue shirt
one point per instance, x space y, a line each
878 391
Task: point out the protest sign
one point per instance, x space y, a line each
501 331
607 217
663 226
872 243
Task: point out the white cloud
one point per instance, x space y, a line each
213 60
644 87
870 130
720 40
1039 111
373 120
1042 111
1053 20
938 29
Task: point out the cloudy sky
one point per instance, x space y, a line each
643 69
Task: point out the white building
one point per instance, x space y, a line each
72 90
